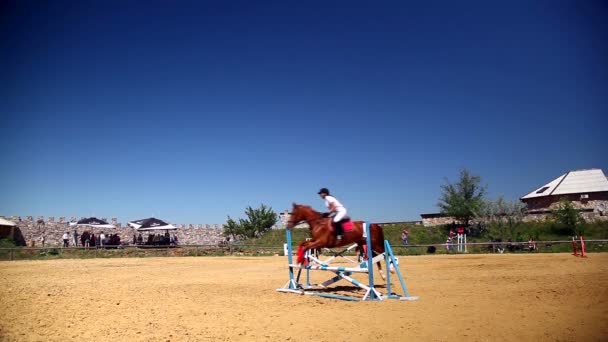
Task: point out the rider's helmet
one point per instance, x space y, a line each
324 191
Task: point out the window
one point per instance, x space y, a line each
541 190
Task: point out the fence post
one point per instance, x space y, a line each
12 254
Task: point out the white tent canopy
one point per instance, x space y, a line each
92 222
151 223
5 222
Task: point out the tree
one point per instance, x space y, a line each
463 200
503 215
567 215
258 222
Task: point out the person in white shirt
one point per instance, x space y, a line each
336 208
102 239
65 238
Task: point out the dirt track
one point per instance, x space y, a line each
470 297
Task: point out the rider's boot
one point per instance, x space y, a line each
339 230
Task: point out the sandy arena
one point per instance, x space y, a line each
532 297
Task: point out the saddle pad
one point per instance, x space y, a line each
348 226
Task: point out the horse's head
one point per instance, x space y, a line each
301 213
296 216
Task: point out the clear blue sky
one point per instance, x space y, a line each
192 111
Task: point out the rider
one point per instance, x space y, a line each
335 207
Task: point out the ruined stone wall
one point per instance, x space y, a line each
32 229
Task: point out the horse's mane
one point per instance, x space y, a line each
307 210
304 206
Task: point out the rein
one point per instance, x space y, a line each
304 220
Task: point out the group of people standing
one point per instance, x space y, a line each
102 240
156 239
87 239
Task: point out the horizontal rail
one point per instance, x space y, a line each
443 244
330 268
239 248
454 243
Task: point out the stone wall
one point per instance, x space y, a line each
32 229
539 208
438 221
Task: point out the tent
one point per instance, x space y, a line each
5 222
92 222
9 224
151 224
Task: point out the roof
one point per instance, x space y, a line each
5 222
573 182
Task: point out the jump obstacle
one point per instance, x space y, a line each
461 243
344 273
583 253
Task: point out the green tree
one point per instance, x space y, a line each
463 200
258 222
568 216
503 216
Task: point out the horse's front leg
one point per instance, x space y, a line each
380 270
302 248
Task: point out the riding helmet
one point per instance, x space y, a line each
324 191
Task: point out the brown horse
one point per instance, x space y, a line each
323 235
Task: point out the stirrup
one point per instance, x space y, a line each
339 237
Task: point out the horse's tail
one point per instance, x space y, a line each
381 237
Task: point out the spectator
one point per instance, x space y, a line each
531 244
134 239
84 237
93 240
102 239
175 239
404 236
87 241
75 238
42 239
65 238
448 245
140 239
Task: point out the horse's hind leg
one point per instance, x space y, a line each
362 251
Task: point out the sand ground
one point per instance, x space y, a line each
531 297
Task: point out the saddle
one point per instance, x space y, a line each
347 224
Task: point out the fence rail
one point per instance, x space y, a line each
18 253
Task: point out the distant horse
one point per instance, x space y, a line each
323 235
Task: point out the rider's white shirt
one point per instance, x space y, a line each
341 211
331 199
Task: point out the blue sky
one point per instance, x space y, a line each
192 111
